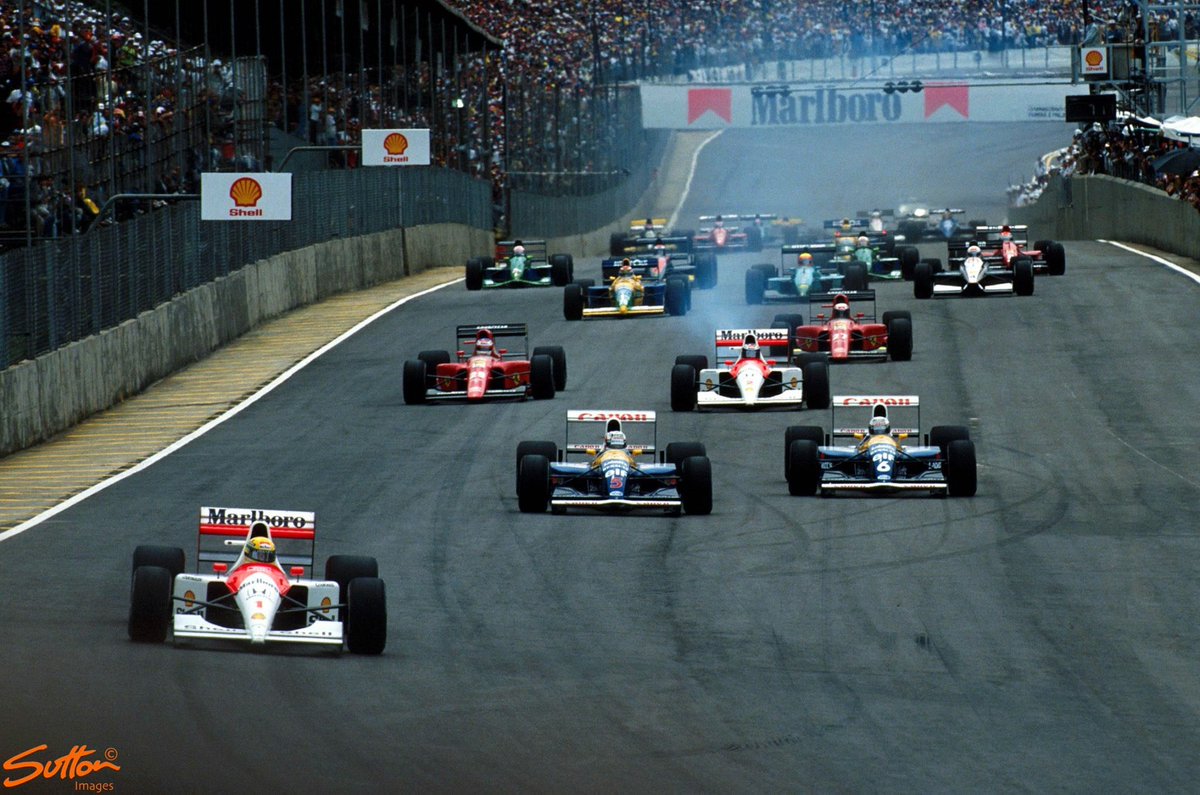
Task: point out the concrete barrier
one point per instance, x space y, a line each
1099 206
47 395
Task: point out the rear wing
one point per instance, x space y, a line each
869 403
951 210
294 534
625 417
825 300
990 234
642 225
534 249
729 339
464 336
855 223
882 213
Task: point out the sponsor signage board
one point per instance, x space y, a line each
245 197
395 147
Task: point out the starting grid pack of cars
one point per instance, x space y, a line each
253 577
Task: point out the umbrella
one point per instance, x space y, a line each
1177 161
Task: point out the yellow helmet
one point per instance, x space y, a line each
260 550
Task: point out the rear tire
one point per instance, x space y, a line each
474 278
766 268
616 244
804 468
366 616
560 270
961 476
541 377
909 256
342 569
1056 259
676 297
941 436
855 277
756 285
150 604
816 385
706 271
678 451
533 484
416 382
559 357
433 358
683 387
573 301
695 487
754 239
169 558
900 339
889 315
923 281
696 361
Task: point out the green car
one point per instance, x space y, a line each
520 264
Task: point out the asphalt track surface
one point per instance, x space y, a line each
1039 636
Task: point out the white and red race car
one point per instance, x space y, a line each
257 591
746 377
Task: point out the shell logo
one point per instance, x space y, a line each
189 598
395 144
1094 58
245 192
326 603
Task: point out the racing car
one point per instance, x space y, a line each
745 377
1006 245
660 258
864 258
804 268
520 264
642 230
847 336
260 590
724 233
615 473
481 370
635 291
972 276
879 460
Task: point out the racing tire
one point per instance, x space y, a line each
889 315
1023 276
1040 245
474 278
683 387
559 357
548 450
695 485
754 239
678 451
767 268
616 244
900 339
935 264
923 281
976 222
585 283
706 271
343 569
961 476
855 277
560 270
533 484
816 385
573 301
688 245
803 469
790 320
812 433
940 436
433 358
756 285
366 616
909 256
541 377
697 361
150 604
1056 259
169 558
415 382
675 297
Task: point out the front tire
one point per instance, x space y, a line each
855 277
683 387
549 450
804 468
559 357
961 476
541 377
756 285
900 339
150 604
923 281
573 301
366 616
706 271
794 433
695 488
474 278
560 270
816 385
676 297
416 382
533 484
1056 259
1023 276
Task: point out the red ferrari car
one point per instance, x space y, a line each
845 336
1007 244
481 370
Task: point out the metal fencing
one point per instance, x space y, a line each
66 289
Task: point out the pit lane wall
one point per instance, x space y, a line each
1100 206
47 395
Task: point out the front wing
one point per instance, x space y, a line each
194 626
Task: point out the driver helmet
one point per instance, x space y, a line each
260 550
615 440
879 426
845 223
1006 234
876 214
518 250
841 308
804 259
484 344
750 349
626 267
973 251
863 242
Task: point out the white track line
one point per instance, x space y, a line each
1180 270
691 173
213 423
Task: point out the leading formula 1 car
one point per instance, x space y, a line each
746 377
645 229
971 276
880 460
519 264
616 473
843 335
482 370
725 233
250 596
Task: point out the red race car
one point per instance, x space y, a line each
484 371
1007 244
845 336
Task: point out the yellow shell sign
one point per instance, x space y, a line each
245 192
395 144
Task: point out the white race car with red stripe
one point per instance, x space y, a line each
746 376
257 591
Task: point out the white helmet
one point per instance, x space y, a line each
973 251
615 440
879 426
863 241
519 250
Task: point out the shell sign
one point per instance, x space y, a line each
395 147
245 197
1093 61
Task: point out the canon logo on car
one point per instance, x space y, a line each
871 400
601 416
